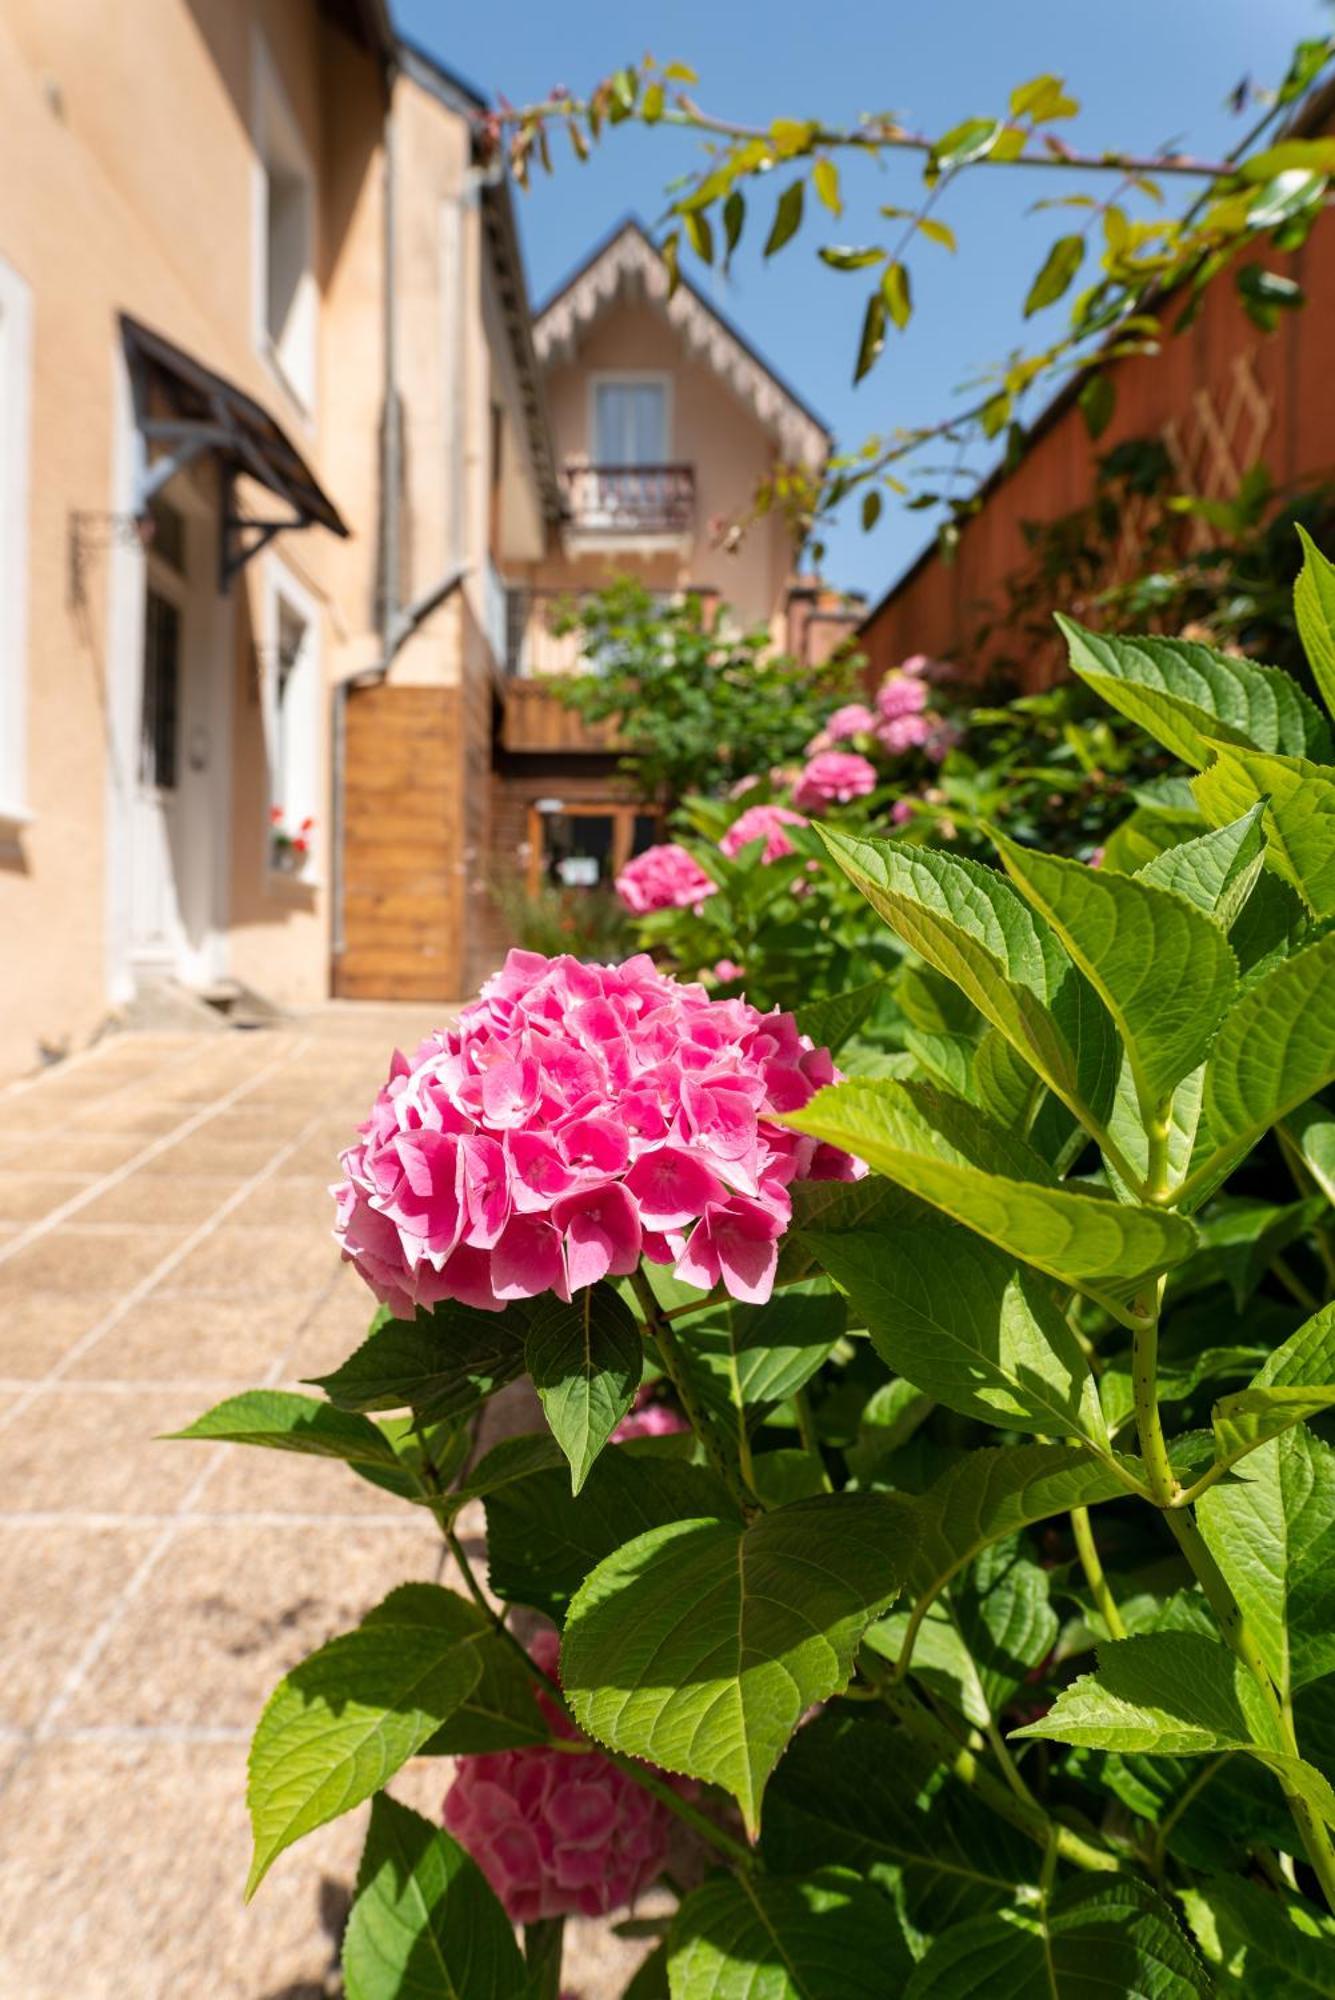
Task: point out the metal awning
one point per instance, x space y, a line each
183 407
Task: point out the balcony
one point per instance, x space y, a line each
623 503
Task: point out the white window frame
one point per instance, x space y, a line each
298 789
276 138
15 488
630 378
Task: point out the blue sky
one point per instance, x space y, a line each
1145 72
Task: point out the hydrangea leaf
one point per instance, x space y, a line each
1311 1128
966 1324
283 1421
1175 1694
702 1644
1217 871
969 924
1106 1248
833 1021
1270 1525
1299 800
585 1358
855 1790
499 1713
337 1728
1275 1049
1189 696
752 1356
512 1458
425 1924
1163 969
1101 1936
441 1364
1314 607
1261 1944
542 1542
790 1939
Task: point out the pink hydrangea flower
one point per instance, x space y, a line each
663 878
900 694
901 812
765 822
574 1119
853 719
554 1834
727 969
649 1420
834 778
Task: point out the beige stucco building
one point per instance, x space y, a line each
290 479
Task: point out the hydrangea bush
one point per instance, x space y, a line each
938 1548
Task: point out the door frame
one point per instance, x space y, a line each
623 814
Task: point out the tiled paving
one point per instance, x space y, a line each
164 1242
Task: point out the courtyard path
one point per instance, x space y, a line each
164 1242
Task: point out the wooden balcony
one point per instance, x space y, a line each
630 501
536 721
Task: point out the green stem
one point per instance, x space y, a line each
1099 1589
1159 1845
1010 1769
1289 1278
1145 1398
665 1340
542 1954
1315 1834
1029 1818
806 1430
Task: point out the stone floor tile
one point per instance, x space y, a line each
38 1328
144 1112
180 1336
27 1197
184 1198
298 1201
203 1153
75 1260
253 1481
231 1608
121 1871
56 1585
68 1152
81 1451
237 1261
334 1328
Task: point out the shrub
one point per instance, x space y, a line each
979 1629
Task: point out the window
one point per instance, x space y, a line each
15 398
292 724
285 248
160 708
630 422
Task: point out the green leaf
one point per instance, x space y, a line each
963 144
1173 1693
1314 607
1261 1944
987 1495
1162 969
836 1019
1275 1049
1056 274
287 1422
787 218
872 340
1217 871
1299 818
1311 1128
1190 697
513 1458
961 1321
970 925
542 1542
734 216
702 1644
425 1925
825 179
1098 401
1242 1238
441 1364
585 1358
1088 1937
897 293
1270 1525
855 1790
768 1939
500 1713
340 1725
844 257
1109 1249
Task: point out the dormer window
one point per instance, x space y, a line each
630 421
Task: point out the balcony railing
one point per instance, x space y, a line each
631 499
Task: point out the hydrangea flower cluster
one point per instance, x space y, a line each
557 1835
649 1419
762 822
834 777
575 1118
901 701
664 878
853 719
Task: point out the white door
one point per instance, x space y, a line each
176 827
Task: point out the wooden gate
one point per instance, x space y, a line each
402 913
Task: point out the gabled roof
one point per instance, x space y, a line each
626 265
